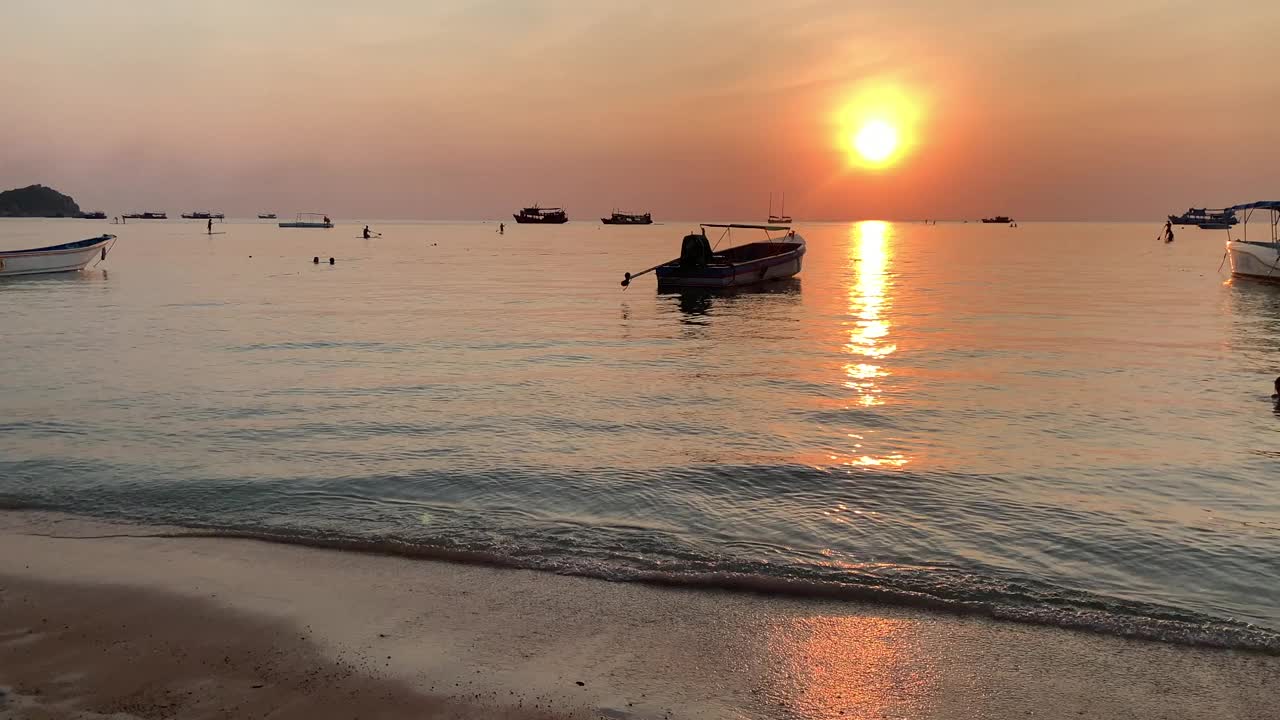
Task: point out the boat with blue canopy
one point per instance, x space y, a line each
1257 258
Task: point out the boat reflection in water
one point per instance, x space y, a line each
869 257
697 303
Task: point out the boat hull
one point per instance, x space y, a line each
739 274
1254 260
59 258
305 225
627 221
524 220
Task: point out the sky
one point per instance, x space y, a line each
692 110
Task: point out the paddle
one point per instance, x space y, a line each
629 276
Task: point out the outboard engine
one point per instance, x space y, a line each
695 252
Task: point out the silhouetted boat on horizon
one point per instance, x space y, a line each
309 220
998 219
201 215
541 216
93 215
622 218
782 218
266 216
1206 219
146 216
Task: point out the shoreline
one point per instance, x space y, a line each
1127 619
461 640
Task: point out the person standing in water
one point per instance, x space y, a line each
502 228
366 232
1168 231
210 228
326 220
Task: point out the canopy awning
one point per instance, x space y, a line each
1260 205
775 228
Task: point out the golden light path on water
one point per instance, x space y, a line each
869 256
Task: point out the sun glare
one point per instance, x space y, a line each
876 141
878 126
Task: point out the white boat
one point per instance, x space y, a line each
69 257
1257 259
309 220
700 266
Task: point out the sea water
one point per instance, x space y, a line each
1066 424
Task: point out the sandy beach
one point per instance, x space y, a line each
107 620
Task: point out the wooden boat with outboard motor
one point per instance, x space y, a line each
202 215
701 266
68 257
541 216
309 220
146 216
624 218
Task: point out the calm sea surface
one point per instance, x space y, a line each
1059 423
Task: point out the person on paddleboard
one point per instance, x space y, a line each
366 232
1168 231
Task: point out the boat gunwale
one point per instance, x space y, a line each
62 249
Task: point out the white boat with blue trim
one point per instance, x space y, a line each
68 257
701 266
1259 258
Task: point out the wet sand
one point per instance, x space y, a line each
100 620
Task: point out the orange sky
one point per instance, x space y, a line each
451 110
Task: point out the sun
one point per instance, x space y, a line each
879 124
875 141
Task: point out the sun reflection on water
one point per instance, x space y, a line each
869 256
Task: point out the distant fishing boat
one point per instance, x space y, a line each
699 266
94 215
68 257
146 216
623 218
1255 259
541 216
782 218
199 215
1002 219
1206 219
266 216
309 220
